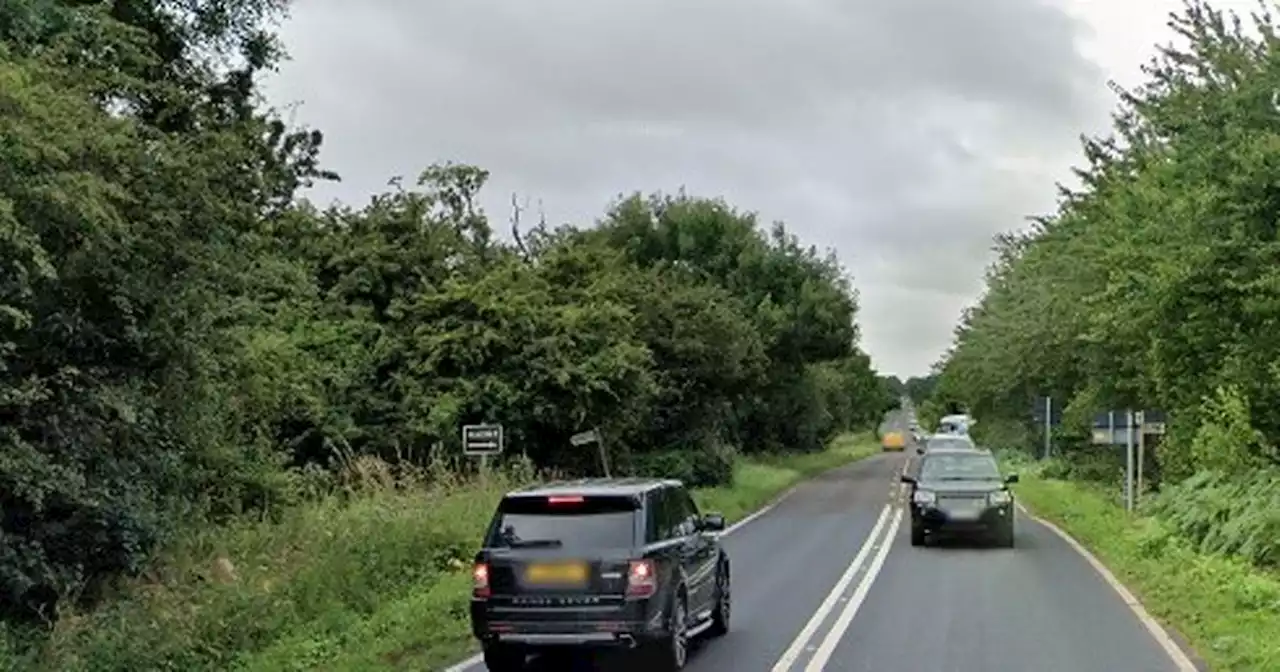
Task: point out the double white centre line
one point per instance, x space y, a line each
880 541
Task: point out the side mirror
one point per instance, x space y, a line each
919 451
907 479
713 522
1011 478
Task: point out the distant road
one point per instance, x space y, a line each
828 579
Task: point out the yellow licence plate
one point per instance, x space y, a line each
558 573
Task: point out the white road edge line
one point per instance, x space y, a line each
1171 648
797 646
464 665
828 646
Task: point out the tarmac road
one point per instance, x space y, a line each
827 579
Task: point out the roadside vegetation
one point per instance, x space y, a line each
229 419
375 578
1155 285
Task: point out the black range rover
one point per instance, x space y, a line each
599 562
959 491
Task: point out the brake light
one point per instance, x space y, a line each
480 581
642 580
571 499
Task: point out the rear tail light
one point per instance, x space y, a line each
480 581
642 580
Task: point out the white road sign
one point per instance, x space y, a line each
482 439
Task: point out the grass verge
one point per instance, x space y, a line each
757 482
375 582
1228 610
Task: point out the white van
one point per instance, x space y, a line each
955 424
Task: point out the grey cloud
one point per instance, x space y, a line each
883 129
907 329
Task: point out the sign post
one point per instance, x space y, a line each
593 436
482 441
1048 426
1140 419
1137 425
1128 462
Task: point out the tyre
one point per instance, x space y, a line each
1004 538
724 603
917 535
500 658
669 652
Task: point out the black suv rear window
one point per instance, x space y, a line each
565 521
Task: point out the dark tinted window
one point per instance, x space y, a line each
656 524
594 522
692 505
958 467
685 512
672 514
667 513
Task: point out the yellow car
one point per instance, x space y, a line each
893 441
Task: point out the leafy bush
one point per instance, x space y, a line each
1005 435
700 466
1232 515
1100 465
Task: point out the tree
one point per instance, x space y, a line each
920 388
1153 284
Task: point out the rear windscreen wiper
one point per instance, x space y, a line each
535 543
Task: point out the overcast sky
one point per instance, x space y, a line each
902 133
